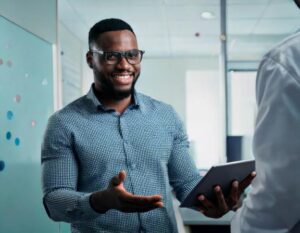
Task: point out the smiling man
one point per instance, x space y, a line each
114 81
111 158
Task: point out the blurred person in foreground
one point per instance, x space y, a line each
273 205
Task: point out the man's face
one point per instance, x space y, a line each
114 81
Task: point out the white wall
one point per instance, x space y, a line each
164 78
242 102
37 16
242 108
205 118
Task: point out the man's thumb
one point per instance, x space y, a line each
117 180
122 176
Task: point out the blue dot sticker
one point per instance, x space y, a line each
8 135
2 165
9 115
17 141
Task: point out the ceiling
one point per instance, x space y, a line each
168 28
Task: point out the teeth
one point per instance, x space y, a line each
122 76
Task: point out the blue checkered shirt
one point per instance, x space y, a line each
85 145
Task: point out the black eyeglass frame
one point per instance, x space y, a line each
119 54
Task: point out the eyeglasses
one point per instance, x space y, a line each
133 56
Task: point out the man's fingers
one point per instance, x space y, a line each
234 194
140 200
205 202
220 199
247 181
132 203
145 205
132 208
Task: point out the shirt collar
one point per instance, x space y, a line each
91 96
137 101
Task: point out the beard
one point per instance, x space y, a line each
108 90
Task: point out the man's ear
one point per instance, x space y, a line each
89 59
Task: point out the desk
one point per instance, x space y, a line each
198 223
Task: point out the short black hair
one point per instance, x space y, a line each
297 3
107 25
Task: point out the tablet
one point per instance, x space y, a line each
222 175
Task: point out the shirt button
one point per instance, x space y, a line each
133 166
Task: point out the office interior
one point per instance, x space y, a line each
201 56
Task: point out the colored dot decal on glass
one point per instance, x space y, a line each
17 141
2 165
8 135
17 98
9 63
1 61
44 82
26 75
33 123
9 115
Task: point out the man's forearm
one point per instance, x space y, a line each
69 206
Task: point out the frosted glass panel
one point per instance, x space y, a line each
26 101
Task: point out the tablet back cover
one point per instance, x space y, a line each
222 175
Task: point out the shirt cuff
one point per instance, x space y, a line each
85 206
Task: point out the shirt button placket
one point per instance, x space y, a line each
133 166
123 133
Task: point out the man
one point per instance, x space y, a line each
109 158
273 204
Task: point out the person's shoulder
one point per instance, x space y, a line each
152 103
286 54
71 110
160 110
289 48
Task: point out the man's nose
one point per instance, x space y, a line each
123 63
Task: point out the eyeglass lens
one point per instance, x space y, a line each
133 56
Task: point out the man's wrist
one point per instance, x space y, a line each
95 204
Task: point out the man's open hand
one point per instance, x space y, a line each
223 204
116 197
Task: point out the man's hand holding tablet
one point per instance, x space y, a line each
220 189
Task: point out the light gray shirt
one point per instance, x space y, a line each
273 204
